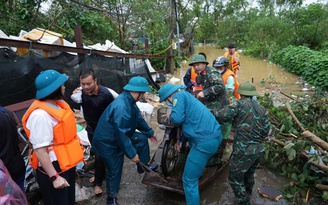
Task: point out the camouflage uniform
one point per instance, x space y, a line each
251 125
215 95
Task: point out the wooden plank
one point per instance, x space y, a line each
40 46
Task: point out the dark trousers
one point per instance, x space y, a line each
52 196
100 170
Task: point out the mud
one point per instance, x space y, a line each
133 192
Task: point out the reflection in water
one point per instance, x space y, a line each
268 77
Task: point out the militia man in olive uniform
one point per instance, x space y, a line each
251 125
213 95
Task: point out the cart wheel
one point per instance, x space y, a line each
170 155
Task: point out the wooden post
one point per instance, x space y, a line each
147 45
79 41
170 59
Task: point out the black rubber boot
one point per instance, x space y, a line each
217 157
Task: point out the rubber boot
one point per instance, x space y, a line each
217 157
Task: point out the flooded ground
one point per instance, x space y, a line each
268 78
218 192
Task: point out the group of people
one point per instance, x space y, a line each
116 129
206 108
114 125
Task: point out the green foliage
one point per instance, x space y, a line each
311 65
288 159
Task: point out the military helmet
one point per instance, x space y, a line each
137 84
220 61
247 89
48 82
198 58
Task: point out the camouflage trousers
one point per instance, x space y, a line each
241 175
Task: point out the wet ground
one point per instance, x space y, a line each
133 192
268 78
218 192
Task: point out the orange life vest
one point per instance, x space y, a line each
193 76
67 147
225 76
233 64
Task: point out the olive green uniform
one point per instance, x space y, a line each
251 125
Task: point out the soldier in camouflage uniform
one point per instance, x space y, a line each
214 96
214 93
251 125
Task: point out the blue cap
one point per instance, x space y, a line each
47 82
137 84
166 90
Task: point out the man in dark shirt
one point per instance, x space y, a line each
95 99
9 151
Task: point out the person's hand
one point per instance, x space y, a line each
135 158
77 90
153 139
200 95
178 146
167 116
60 183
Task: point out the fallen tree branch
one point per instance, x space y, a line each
322 187
288 135
290 97
317 164
320 166
294 117
318 141
278 142
315 139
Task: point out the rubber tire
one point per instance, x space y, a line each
170 155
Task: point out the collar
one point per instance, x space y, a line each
129 97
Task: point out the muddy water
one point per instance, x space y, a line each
268 77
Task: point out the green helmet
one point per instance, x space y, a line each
247 89
137 84
166 90
198 58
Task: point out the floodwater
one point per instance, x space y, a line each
268 78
